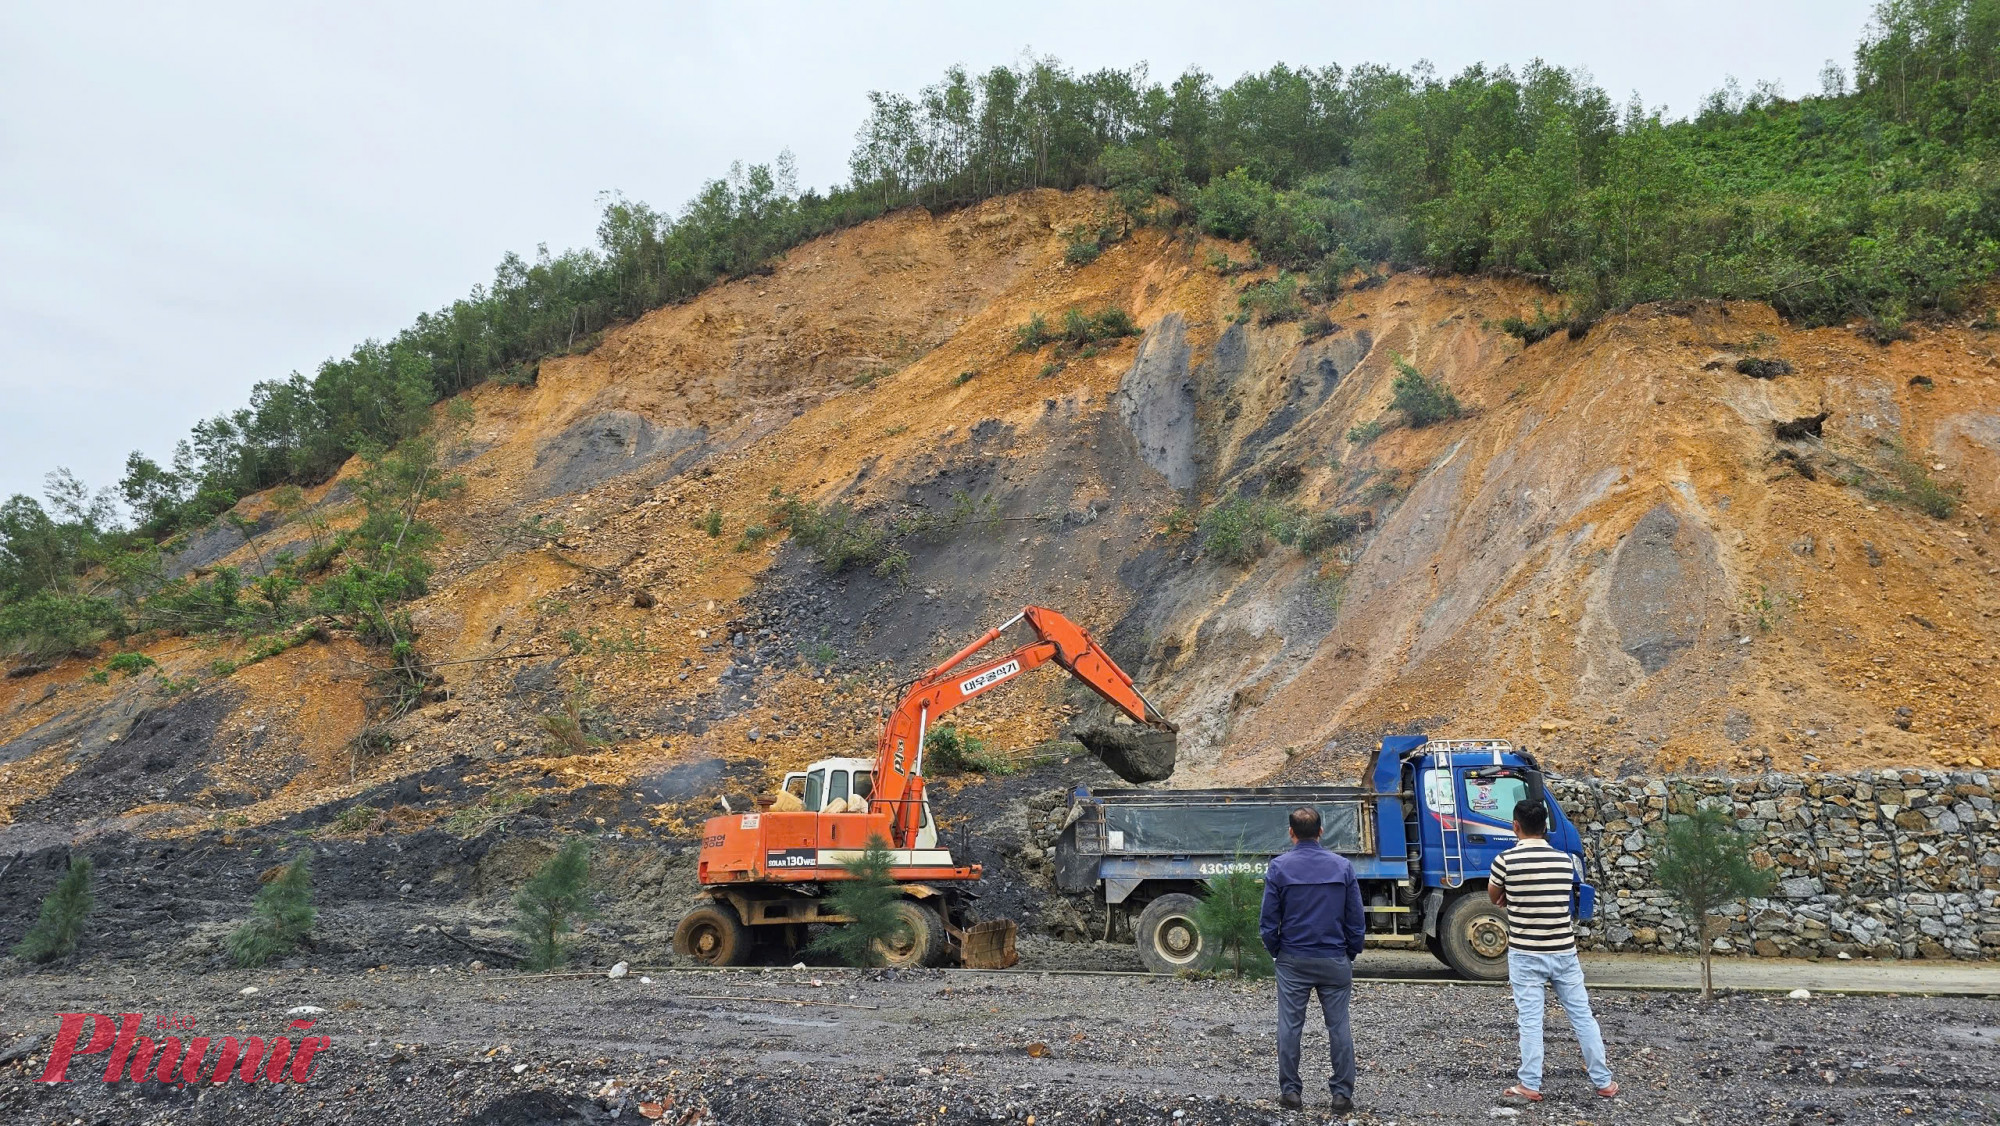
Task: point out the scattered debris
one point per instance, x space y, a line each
1757 368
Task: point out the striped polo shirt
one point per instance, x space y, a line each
1537 878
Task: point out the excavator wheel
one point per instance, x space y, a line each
922 941
712 935
1169 941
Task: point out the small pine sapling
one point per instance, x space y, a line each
60 924
554 898
281 917
1704 863
871 900
1228 920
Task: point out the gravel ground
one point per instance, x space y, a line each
962 1047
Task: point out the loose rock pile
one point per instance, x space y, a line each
1885 864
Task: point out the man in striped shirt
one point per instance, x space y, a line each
1534 881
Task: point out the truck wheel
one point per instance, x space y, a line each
1169 942
1473 934
922 941
1435 945
712 935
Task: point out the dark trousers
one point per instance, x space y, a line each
1298 978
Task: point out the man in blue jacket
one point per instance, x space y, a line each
1313 927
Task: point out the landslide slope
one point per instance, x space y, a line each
1615 554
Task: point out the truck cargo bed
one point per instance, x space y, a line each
1222 825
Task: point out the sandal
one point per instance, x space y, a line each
1609 1091
1518 1095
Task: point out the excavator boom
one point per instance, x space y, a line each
899 779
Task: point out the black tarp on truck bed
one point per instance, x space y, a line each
1252 829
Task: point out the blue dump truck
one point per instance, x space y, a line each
1422 839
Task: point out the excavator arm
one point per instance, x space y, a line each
899 760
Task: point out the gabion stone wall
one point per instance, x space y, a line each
1884 864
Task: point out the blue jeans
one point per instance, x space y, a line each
1298 979
1528 973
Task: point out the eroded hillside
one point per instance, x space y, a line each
1626 552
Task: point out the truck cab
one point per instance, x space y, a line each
847 780
1458 803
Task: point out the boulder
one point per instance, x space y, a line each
1134 753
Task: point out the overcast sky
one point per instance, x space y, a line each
193 198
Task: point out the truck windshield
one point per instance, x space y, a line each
815 789
1494 797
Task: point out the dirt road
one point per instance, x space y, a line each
947 1047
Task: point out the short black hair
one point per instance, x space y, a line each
1305 823
1532 816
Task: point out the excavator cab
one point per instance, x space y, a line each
850 782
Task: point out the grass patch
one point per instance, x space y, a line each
1362 433
495 808
1328 529
1533 331
1423 401
1916 488
572 728
1240 530
842 538
947 750
1269 302
1079 330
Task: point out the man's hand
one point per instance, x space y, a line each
1496 893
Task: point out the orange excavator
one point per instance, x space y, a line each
763 871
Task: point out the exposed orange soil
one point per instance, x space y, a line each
1496 595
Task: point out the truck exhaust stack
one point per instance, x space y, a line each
1134 753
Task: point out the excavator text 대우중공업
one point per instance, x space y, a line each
762 870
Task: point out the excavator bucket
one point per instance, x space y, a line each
989 945
1134 753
